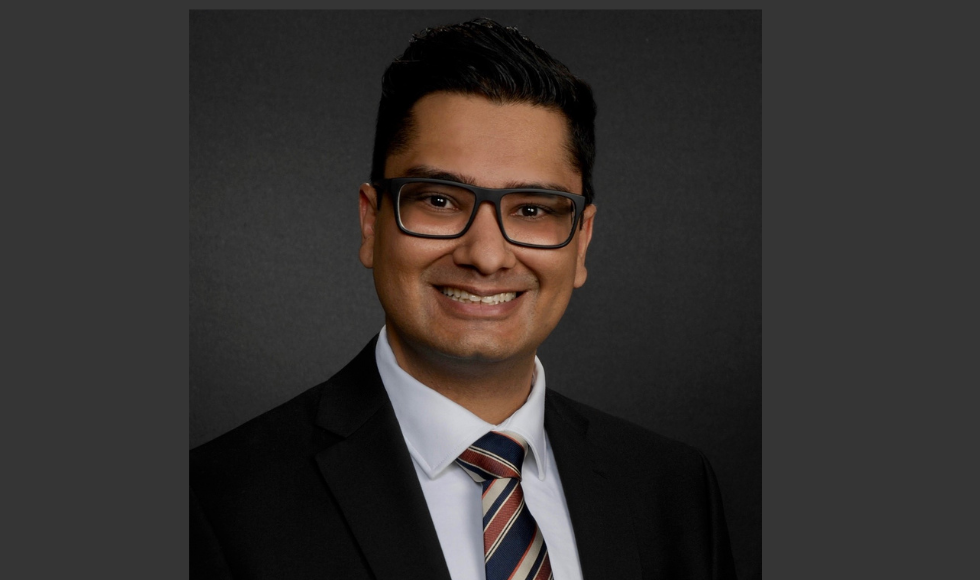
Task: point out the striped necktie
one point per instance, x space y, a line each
513 546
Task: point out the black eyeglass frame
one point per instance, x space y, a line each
482 194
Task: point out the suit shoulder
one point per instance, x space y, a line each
627 440
272 436
292 425
287 438
672 496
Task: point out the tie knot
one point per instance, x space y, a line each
496 455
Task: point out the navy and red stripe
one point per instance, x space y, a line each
513 546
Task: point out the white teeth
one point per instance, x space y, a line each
464 296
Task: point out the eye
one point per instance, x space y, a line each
530 211
440 201
429 200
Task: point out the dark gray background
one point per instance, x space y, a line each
667 330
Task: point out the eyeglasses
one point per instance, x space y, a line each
436 208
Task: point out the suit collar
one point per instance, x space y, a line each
601 519
370 473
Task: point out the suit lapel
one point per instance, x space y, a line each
600 518
370 473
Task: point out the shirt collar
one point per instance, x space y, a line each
436 444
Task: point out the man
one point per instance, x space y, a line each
438 451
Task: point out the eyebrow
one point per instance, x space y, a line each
430 172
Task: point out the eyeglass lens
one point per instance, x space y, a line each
444 210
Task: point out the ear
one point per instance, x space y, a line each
368 204
582 244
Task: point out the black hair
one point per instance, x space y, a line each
482 57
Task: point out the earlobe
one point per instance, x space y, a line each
368 206
582 245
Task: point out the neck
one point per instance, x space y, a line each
491 390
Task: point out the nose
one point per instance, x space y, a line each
483 246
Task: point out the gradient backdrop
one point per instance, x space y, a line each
667 332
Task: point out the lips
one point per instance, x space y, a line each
470 298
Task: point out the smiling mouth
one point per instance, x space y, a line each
467 298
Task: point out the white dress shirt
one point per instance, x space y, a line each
437 430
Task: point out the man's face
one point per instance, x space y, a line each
468 138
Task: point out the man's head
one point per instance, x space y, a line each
504 126
483 58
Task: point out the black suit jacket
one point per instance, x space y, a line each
323 486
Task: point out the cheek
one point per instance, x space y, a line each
556 277
389 266
402 262
392 249
558 301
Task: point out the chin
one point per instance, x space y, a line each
476 349
477 352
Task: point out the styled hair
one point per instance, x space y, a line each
482 57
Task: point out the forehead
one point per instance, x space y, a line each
490 144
